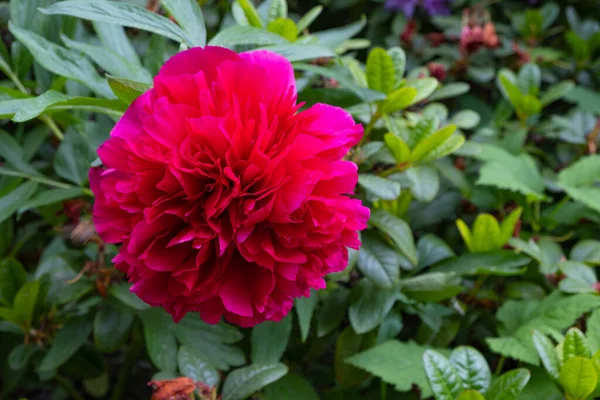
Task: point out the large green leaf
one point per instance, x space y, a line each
380 71
12 277
74 156
381 188
578 377
509 385
305 307
193 365
500 262
378 261
579 180
246 35
111 326
269 340
333 311
121 13
575 345
66 342
547 353
398 231
369 305
189 16
61 61
243 382
291 387
432 286
445 382
160 340
11 202
472 368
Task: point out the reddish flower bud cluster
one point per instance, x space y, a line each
437 70
477 31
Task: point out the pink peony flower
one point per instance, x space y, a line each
228 201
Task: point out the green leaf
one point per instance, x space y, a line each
472 368
124 295
20 355
250 13
291 387
593 331
51 196
556 92
308 18
194 366
381 188
580 277
67 341
61 61
333 311
277 9
425 87
269 340
587 251
11 202
160 340
578 377
509 385
432 286
334 37
425 182
246 35
111 326
431 142
578 45
300 52
347 344
547 353
110 61
500 262
25 301
454 143
189 16
587 99
507 227
380 71
453 89
378 262
441 375
305 307
114 37
398 147
213 342
466 119
73 157
398 231
12 277
529 79
12 152
579 180
529 105
399 58
575 345
470 395
119 13
35 106
486 234
431 250
369 305
127 90
399 99
243 382
396 363
285 28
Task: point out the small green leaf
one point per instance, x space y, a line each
466 119
251 13
25 301
431 142
269 340
398 147
399 58
507 227
499 262
486 234
308 18
194 366
378 261
399 99
12 277
472 368
578 377
443 378
556 92
369 305
547 353
285 28
509 89
127 90
529 105
333 312
465 233
529 79
424 86
382 188
380 71
424 182
470 395
160 340
575 345
11 202
305 307
74 156
398 231
243 382
66 342
509 385
449 90
277 9
111 326
587 251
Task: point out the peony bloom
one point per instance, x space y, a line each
228 201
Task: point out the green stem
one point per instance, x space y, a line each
537 215
53 127
374 118
499 366
383 390
477 287
69 388
130 359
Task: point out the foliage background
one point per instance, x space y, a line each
479 164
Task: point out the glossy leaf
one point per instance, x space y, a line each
243 382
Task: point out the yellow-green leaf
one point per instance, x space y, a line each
486 234
465 233
399 99
398 147
251 13
578 377
432 141
380 71
285 28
